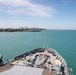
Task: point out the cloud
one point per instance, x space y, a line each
2 24
26 7
19 24
13 24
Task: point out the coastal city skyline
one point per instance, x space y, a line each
48 14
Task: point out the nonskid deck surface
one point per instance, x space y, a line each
6 67
47 59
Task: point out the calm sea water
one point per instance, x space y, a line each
64 41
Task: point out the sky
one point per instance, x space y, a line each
49 14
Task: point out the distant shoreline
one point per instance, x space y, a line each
61 29
21 29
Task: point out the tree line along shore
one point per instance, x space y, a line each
26 29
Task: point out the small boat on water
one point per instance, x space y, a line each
40 61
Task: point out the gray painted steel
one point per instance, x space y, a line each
21 70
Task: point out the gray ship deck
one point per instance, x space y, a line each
22 70
45 62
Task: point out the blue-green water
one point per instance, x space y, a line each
64 41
